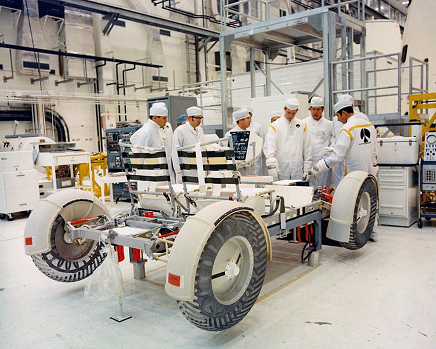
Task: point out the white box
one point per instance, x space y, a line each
397 151
16 161
18 191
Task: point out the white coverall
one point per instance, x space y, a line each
246 170
259 162
321 136
150 139
185 135
356 145
151 135
289 143
337 125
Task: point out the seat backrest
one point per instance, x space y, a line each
149 167
209 166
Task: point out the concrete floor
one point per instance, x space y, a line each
382 296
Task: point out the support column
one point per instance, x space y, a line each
364 84
350 56
267 74
252 74
329 48
223 68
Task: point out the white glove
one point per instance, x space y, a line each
273 167
272 163
320 166
306 175
179 178
274 174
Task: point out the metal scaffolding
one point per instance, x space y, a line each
326 24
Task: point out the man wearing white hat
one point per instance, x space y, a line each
155 131
337 125
242 118
243 121
187 134
287 146
356 144
275 115
321 136
256 128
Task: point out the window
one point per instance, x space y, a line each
218 62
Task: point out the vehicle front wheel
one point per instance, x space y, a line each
229 275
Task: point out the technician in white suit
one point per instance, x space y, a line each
287 146
242 118
356 144
155 131
187 134
321 136
337 125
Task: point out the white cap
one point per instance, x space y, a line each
347 97
240 114
160 104
292 103
248 107
275 113
342 103
158 109
191 111
316 102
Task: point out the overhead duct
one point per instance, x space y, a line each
79 38
30 35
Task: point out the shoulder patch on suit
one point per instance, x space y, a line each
270 125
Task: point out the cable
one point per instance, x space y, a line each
303 258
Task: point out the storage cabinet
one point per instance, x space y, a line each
18 191
398 195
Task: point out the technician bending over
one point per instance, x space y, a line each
356 143
287 146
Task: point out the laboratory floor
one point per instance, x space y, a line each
382 296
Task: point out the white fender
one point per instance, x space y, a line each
344 202
190 243
71 204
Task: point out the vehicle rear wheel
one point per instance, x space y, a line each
69 261
229 275
364 216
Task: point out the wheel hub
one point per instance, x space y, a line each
232 270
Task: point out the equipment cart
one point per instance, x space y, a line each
427 179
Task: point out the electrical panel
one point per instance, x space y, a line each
428 176
430 146
113 137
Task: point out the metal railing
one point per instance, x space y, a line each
395 58
251 11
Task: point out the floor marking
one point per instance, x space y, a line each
153 282
153 270
287 259
18 237
260 299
